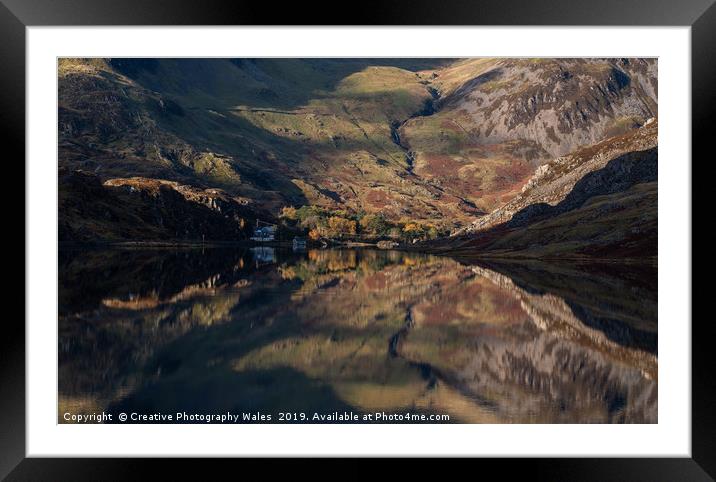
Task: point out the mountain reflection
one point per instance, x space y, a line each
362 330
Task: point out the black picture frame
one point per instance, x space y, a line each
16 15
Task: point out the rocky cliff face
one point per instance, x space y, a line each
438 140
498 120
560 104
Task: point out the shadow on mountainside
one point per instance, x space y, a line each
266 83
618 175
583 225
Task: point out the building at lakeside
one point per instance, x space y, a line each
264 233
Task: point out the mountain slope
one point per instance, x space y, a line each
498 119
439 141
598 201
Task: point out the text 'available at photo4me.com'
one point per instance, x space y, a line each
255 417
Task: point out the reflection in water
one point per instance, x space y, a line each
264 254
210 331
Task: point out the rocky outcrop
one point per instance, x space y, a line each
618 163
563 208
141 209
562 104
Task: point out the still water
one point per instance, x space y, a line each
333 332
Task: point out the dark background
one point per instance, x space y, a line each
16 14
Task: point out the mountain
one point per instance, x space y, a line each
440 141
598 201
497 120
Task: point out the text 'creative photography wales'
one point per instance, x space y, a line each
330 240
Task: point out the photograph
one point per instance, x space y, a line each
324 240
419 231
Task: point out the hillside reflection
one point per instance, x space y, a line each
362 330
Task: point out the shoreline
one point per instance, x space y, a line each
207 244
459 256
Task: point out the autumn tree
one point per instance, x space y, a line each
417 230
288 212
374 224
339 227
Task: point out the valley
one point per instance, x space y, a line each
435 149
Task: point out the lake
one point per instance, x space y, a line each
333 336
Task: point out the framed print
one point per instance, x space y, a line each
421 231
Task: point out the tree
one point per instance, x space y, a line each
412 230
311 222
288 212
314 234
374 224
417 230
339 227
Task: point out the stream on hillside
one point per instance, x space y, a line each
262 332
